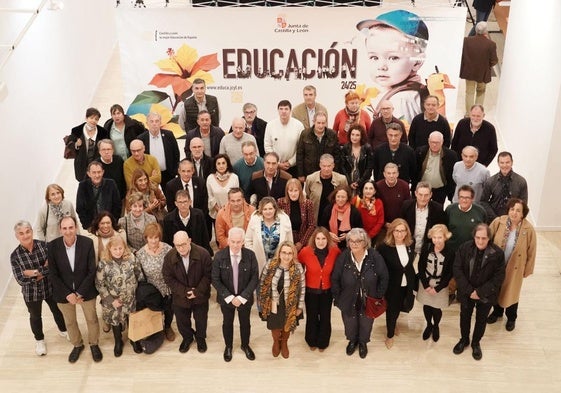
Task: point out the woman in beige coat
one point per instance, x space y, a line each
516 236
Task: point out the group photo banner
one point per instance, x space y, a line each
264 55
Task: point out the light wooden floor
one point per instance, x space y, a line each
525 360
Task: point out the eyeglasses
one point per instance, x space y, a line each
464 197
353 241
249 112
181 245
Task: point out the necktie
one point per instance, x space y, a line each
188 192
235 268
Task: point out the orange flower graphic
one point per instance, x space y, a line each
182 67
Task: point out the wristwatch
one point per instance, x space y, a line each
36 272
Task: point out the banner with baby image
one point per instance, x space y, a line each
264 55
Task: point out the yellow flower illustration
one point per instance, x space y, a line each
182 67
167 119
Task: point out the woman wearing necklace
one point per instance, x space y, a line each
154 198
349 116
135 221
55 208
267 228
116 280
84 139
103 228
151 259
399 256
221 179
300 210
357 158
514 234
371 210
340 216
281 296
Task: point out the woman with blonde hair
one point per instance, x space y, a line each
55 208
281 296
399 256
267 228
435 271
300 210
116 281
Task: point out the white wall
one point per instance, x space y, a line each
51 77
529 107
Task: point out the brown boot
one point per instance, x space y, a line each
276 333
284 343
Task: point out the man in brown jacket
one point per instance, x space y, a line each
479 55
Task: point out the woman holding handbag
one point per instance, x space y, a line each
359 273
399 256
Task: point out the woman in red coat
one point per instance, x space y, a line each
318 257
371 210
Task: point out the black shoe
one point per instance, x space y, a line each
184 346
118 350
435 333
460 346
136 347
75 354
427 332
97 356
492 319
351 347
476 352
201 345
362 350
248 352
227 354
510 325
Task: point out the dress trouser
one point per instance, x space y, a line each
228 313
318 319
36 321
481 313
511 311
475 93
69 312
183 319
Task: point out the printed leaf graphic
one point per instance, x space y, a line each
206 63
150 97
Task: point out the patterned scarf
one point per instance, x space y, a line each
367 204
507 233
291 298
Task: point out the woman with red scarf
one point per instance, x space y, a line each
340 216
349 116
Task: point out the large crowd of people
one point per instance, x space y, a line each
289 214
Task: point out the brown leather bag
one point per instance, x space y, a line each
69 150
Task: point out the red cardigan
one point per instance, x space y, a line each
316 276
371 224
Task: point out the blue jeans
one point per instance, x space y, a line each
480 16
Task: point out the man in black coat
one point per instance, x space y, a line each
255 126
200 101
188 219
72 272
398 153
96 194
201 162
479 270
205 130
162 145
422 214
112 165
235 275
435 165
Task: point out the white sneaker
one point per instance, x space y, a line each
64 334
40 348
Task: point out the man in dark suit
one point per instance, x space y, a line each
255 126
435 165
188 219
205 130
271 181
201 162
479 55
96 194
235 275
162 145
200 101
187 271
72 272
398 153
479 270
196 187
421 214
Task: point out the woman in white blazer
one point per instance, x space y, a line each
268 227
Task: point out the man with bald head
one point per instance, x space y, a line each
162 145
201 162
470 172
139 159
377 133
435 164
187 270
231 144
